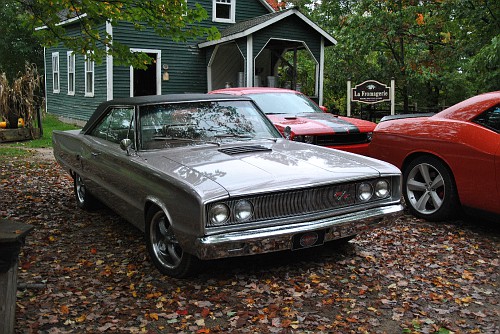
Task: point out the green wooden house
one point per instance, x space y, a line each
254 40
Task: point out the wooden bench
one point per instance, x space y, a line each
12 236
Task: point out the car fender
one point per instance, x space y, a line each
418 153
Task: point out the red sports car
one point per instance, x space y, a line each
449 160
308 122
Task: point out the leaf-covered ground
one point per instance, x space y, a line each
89 273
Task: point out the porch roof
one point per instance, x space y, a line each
248 27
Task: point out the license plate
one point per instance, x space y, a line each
308 239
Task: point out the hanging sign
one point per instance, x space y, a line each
371 91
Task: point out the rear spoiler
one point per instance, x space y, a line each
401 116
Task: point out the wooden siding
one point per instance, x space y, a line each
245 9
290 28
249 9
187 65
225 68
76 106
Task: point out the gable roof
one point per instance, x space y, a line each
248 27
267 5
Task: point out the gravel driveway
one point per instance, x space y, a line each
89 273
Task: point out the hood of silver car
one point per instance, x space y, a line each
250 168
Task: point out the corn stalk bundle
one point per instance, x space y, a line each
20 100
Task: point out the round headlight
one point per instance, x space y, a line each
382 189
218 214
243 210
308 139
365 191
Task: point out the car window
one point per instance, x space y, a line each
490 118
285 103
174 124
116 125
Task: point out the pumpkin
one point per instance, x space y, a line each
3 125
20 123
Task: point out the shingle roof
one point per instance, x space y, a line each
248 27
250 23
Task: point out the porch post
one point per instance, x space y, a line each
249 64
294 78
109 65
320 80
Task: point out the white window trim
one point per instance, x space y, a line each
56 72
89 92
70 56
158 70
232 12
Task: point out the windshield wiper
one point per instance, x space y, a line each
232 135
191 140
267 138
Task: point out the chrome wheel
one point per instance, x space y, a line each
164 249
425 189
79 189
84 198
429 189
164 245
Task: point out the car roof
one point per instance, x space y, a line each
157 99
470 108
252 90
152 99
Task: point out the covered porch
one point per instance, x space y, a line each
269 51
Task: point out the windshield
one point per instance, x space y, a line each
285 103
175 124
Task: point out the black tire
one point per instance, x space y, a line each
429 189
164 249
84 198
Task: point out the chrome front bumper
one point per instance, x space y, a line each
279 238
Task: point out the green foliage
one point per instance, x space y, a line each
49 124
17 45
7 152
172 19
439 52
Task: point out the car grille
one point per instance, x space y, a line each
295 203
302 201
341 139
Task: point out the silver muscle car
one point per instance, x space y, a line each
208 176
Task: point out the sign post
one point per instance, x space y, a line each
349 98
393 97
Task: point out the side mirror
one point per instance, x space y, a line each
288 132
125 145
325 109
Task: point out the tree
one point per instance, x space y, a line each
172 19
18 46
480 42
439 52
